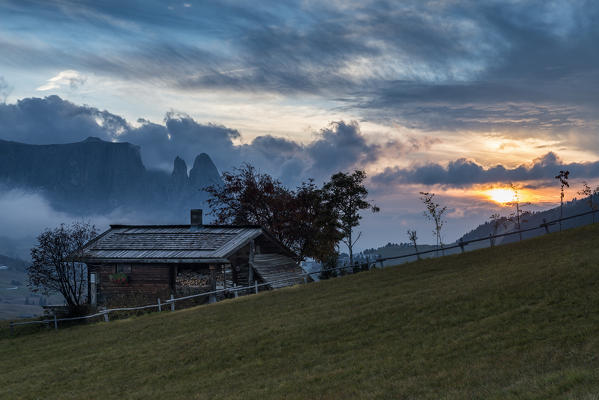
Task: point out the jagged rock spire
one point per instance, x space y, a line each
204 172
179 169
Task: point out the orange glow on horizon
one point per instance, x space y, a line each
530 195
501 195
505 196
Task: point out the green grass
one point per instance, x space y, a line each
519 321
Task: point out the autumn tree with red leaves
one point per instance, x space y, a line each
304 220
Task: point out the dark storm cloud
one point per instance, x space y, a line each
542 75
463 172
461 65
307 47
130 15
53 120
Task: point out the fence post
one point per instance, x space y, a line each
461 243
492 242
256 286
12 328
545 225
251 263
305 279
212 295
172 302
235 290
159 305
106 319
55 323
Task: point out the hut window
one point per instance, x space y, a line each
124 268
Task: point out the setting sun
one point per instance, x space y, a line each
500 195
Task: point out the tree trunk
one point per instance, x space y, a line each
350 247
417 254
561 213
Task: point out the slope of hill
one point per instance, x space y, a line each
531 220
396 250
574 207
511 322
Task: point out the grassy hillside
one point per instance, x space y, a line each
519 321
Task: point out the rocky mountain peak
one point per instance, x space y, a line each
93 139
204 172
179 169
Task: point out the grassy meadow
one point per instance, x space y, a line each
519 321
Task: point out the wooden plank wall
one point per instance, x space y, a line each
147 282
239 266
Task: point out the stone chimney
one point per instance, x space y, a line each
196 217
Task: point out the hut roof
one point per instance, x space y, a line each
169 243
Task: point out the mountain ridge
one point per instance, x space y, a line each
97 177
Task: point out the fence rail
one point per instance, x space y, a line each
369 264
461 244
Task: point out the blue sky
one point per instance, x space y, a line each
454 97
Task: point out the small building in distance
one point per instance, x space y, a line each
133 264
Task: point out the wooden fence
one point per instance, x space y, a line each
236 291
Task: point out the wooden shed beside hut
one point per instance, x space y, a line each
137 263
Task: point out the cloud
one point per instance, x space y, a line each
26 214
5 90
464 172
54 120
459 65
315 47
182 136
516 69
69 78
538 82
339 146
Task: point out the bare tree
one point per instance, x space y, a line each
563 180
54 268
588 192
497 221
413 238
434 212
517 216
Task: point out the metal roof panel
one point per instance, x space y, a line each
146 242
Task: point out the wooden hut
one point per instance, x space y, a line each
137 263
